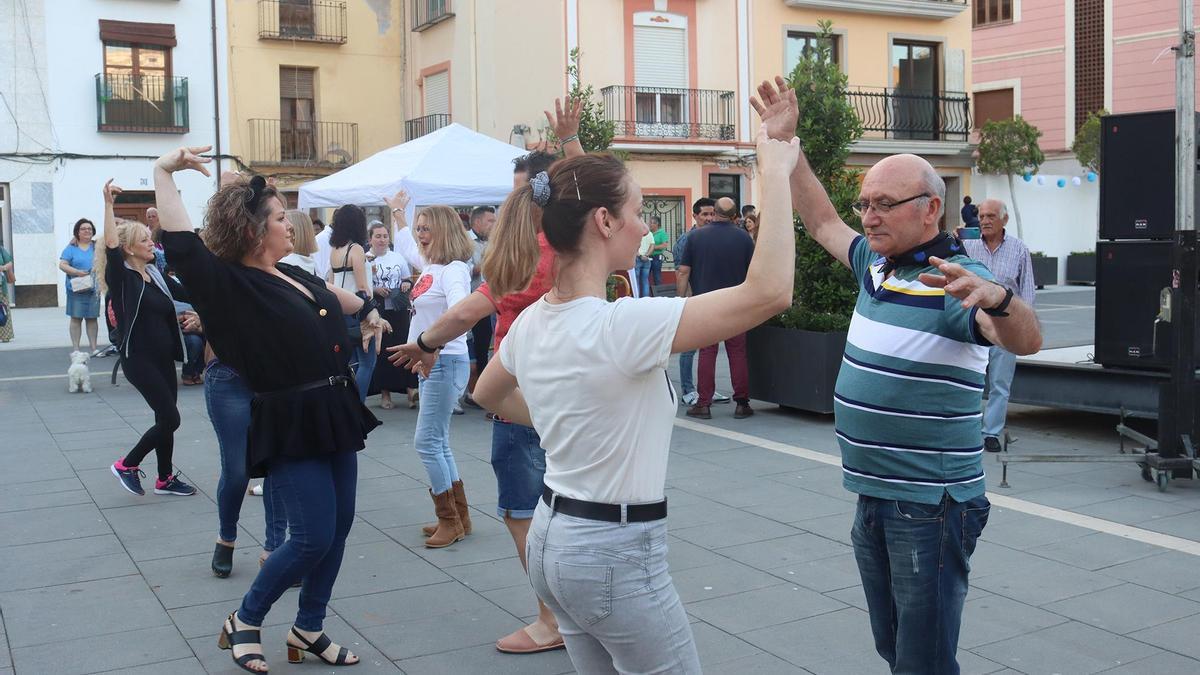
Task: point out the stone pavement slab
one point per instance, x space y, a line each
758 548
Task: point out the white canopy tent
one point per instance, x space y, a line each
453 165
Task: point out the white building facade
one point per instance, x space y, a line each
95 89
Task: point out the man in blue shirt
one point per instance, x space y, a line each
713 258
703 213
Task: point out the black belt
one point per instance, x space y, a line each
611 513
331 381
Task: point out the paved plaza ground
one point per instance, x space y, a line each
1083 568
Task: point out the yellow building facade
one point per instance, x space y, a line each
675 76
314 85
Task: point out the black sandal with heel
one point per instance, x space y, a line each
231 637
317 648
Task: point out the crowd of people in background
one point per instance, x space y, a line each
291 325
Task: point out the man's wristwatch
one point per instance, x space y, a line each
1000 309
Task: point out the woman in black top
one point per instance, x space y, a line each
281 329
143 304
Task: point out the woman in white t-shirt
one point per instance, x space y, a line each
391 282
440 250
591 377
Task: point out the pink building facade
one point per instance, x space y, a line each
1052 61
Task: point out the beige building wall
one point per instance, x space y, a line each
356 82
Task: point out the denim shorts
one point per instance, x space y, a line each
519 463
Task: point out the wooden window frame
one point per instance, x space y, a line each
993 12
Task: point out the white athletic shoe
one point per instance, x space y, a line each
690 398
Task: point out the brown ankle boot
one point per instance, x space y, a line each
449 527
460 505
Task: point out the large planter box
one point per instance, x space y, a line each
794 368
1081 268
1045 271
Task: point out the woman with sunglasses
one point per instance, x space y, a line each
281 329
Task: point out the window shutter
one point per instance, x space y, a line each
660 57
437 94
1089 58
161 34
295 83
993 105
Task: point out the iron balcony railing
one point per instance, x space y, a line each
661 112
912 114
303 143
309 20
416 128
429 13
141 103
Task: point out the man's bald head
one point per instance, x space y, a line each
915 191
727 209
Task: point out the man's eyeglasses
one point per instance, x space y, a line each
880 206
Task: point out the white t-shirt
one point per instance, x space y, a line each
388 270
321 258
593 374
304 262
439 287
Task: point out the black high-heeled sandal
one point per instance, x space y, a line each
231 637
222 561
317 648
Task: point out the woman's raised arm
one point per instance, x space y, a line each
171 214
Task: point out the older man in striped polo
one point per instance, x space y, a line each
908 396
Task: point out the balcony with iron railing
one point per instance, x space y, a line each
307 20
303 143
141 103
908 114
416 128
429 13
667 113
933 9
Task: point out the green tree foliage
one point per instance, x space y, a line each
1010 148
1086 145
595 130
825 290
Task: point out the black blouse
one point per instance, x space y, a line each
276 338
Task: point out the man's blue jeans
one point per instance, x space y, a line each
686 368
656 269
446 382
228 399
914 560
194 364
1001 366
319 496
643 277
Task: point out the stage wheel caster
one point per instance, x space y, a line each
1161 478
1146 476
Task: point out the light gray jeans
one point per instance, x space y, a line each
609 588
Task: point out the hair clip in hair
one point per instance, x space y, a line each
577 197
258 185
541 188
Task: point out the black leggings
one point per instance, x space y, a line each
153 375
481 335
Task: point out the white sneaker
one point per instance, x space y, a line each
689 399
720 398
255 490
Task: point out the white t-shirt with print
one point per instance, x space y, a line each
593 374
439 288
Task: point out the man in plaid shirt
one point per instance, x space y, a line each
1008 260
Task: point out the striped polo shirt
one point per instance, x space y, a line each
909 393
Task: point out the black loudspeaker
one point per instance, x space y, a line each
1137 184
1129 278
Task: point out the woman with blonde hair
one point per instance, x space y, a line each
143 302
439 247
280 329
590 376
304 242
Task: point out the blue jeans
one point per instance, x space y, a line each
656 269
228 401
319 496
609 587
519 463
362 362
642 269
686 368
914 560
195 354
1001 366
445 384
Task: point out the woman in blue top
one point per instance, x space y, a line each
76 261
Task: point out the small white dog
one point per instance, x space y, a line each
78 376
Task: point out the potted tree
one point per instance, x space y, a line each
1045 269
1081 267
794 358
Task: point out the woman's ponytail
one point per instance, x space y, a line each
513 252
